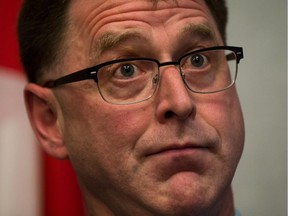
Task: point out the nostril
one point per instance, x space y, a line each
169 114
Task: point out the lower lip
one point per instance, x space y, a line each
177 160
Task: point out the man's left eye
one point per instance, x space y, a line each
198 60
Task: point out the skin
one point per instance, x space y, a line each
174 154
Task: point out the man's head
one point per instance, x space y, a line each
172 153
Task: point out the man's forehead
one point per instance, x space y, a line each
83 12
112 36
104 5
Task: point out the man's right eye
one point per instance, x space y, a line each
127 70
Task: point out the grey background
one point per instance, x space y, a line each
261 28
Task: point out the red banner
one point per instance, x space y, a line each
60 192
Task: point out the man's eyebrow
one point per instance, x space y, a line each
202 31
113 39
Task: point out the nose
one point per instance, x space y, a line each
173 98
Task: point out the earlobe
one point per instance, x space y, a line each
43 112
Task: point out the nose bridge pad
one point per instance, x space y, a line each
177 66
183 78
155 80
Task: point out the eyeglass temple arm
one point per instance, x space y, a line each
239 55
79 76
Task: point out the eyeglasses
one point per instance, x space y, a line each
133 80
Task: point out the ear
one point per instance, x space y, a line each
44 115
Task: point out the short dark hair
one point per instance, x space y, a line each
219 12
41 34
42 26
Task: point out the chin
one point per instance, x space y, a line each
186 198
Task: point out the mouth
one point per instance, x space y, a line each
182 156
175 159
179 149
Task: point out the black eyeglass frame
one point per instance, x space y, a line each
91 72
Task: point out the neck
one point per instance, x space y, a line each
227 204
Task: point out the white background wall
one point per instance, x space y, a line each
20 193
261 28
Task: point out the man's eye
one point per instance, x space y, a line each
127 70
198 60
123 71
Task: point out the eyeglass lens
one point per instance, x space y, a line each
136 80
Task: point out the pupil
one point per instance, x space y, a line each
127 70
197 60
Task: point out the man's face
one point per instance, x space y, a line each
175 153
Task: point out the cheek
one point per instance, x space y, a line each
120 126
96 127
92 116
99 135
223 113
225 116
